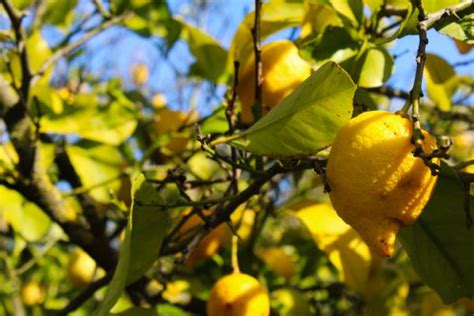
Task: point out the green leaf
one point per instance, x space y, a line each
99 167
147 226
375 5
38 50
350 11
460 29
136 311
49 100
439 244
410 23
110 124
25 217
211 58
275 15
431 6
335 44
307 120
441 81
150 18
22 4
373 67
317 17
60 13
171 310
217 123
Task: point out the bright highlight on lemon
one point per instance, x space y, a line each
238 294
377 185
283 70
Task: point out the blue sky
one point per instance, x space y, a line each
114 52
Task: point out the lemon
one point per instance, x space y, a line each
207 246
243 219
158 101
282 69
32 293
238 294
167 121
81 268
377 185
280 261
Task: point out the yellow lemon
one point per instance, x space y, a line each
238 294
32 293
158 101
168 121
243 220
280 261
377 185
210 244
283 70
81 268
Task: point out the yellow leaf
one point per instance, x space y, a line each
344 247
317 17
275 16
441 81
432 305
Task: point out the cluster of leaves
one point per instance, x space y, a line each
133 171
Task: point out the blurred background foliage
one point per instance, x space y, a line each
129 99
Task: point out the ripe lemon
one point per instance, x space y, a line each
32 293
377 185
207 246
238 294
282 69
280 261
167 121
81 268
158 101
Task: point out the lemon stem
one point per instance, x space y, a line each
234 258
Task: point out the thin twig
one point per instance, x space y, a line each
64 51
101 8
85 295
20 39
424 23
257 108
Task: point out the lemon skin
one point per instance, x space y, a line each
283 70
81 268
377 185
238 294
32 293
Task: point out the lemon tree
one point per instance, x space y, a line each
277 157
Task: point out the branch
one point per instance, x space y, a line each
69 48
257 108
222 215
390 92
41 6
20 38
424 23
85 295
33 181
101 8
